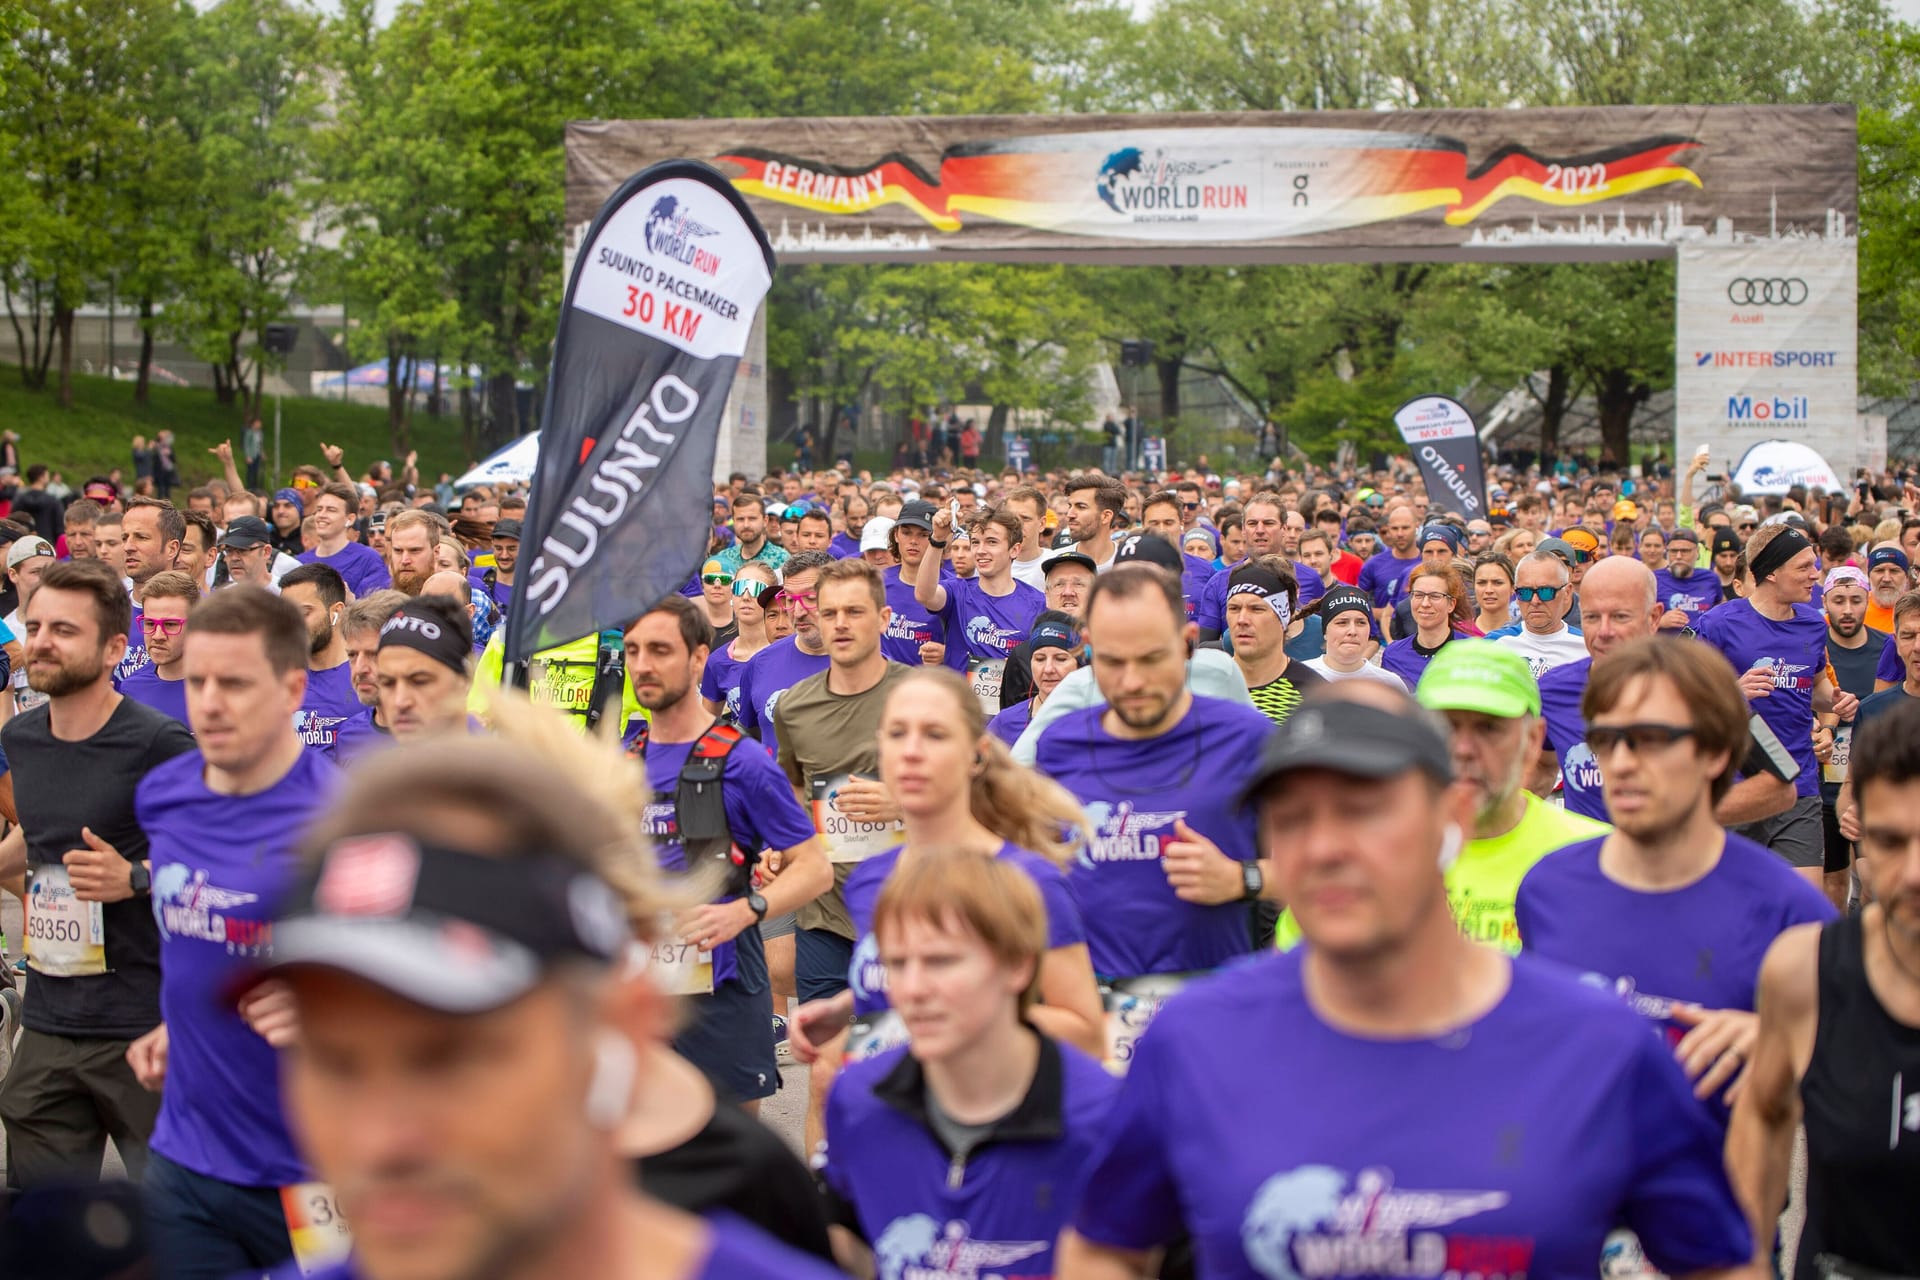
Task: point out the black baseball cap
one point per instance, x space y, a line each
444 928
1149 548
1070 556
246 531
507 528
918 514
1353 738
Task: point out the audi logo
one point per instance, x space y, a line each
1760 293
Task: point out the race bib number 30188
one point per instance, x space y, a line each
848 839
66 938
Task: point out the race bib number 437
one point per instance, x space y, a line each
66 938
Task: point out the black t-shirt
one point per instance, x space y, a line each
61 787
1854 668
739 1166
43 511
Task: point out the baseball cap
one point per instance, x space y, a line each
1684 533
441 927
1887 555
507 528
1070 556
246 531
917 514
1150 548
1582 542
24 549
1353 738
1625 510
1479 675
873 536
1558 547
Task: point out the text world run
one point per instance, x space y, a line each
615 483
1172 195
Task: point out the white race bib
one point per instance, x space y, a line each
874 1033
1131 1006
847 839
319 1234
986 675
1835 769
66 938
681 968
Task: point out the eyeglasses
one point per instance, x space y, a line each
1430 597
1640 738
806 603
165 626
1530 594
716 579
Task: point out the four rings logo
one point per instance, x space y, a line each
1777 292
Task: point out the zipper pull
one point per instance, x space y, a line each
956 1173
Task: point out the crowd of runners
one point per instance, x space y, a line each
1269 876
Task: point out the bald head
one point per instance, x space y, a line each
447 583
1618 603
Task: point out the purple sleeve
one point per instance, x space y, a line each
1312 585
709 685
1370 583
1679 1202
1211 613
761 804
1130 1200
1065 928
1891 669
749 705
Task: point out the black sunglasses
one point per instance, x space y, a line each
1640 738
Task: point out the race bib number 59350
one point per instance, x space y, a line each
66 938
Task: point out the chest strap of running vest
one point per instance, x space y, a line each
700 809
609 677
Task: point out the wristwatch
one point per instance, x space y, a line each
140 878
757 904
935 542
1253 878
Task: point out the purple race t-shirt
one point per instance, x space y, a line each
1407 662
1797 651
762 813
329 703
357 735
136 657
986 626
866 975
166 696
1890 668
362 568
221 864
1511 1147
768 674
1701 943
1012 721
993 1214
738 1252
1133 792
843 547
720 682
910 625
1560 692
1384 577
1693 595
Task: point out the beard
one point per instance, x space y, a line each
317 641
1846 628
68 677
409 582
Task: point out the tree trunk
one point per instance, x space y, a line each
1618 395
1169 371
143 379
994 444
63 330
1553 410
251 409
396 401
220 393
503 409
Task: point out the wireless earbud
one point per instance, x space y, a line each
611 1089
1450 845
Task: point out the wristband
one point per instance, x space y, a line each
936 543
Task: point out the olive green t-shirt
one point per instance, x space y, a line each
825 737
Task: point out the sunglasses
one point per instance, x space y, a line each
1531 594
1189 506
716 579
761 593
165 626
1640 738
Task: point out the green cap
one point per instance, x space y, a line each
1479 675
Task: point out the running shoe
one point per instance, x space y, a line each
782 1048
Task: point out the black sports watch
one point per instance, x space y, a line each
1253 878
140 878
757 904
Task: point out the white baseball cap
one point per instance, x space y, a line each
874 536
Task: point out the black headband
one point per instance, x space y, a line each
1789 543
1264 582
412 627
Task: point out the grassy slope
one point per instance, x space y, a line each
97 434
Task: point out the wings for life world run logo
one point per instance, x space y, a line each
917 1247
1316 1223
1156 188
185 905
670 233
